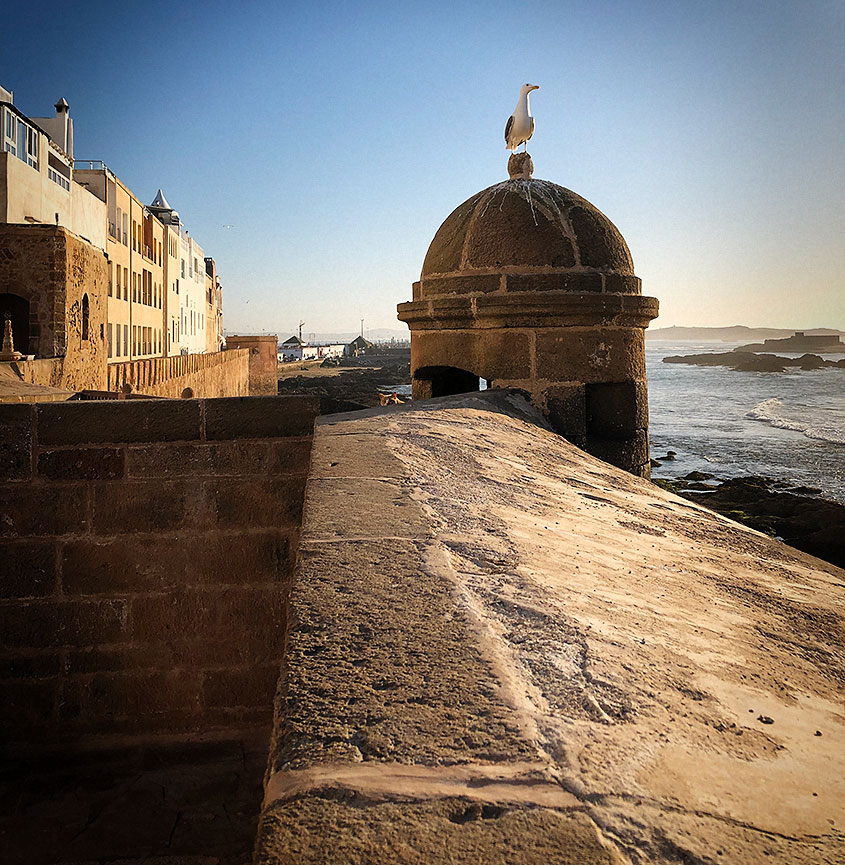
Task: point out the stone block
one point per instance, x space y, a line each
16 423
462 284
29 568
242 686
122 565
218 558
203 459
600 245
256 502
629 454
590 354
491 354
114 422
289 456
260 417
416 291
498 238
233 618
41 510
147 506
82 464
144 693
566 410
573 282
446 250
24 705
616 410
44 624
41 666
110 659
618 283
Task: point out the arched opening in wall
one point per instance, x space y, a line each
447 380
17 309
85 316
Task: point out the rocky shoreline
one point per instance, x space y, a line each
796 515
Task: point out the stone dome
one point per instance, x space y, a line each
527 228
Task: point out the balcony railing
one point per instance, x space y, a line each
58 178
89 164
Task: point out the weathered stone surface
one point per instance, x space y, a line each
16 438
112 422
579 354
260 417
82 464
28 567
567 412
37 510
616 409
494 355
619 642
574 282
474 284
459 831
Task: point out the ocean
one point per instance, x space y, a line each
789 426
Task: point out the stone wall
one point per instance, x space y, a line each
146 549
263 362
222 373
63 280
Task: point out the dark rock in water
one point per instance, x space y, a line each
698 476
655 464
700 487
670 455
760 363
810 361
804 491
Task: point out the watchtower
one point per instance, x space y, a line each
528 285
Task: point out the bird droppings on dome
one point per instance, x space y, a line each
526 222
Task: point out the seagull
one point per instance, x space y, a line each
520 125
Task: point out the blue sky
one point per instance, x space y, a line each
335 137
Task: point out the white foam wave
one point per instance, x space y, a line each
813 424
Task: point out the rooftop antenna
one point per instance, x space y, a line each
362 328
300 330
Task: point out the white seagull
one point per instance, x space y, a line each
520 125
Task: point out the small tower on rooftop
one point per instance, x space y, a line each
528 285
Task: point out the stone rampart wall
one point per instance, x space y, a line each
146 549
219 374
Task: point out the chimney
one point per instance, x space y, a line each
66 125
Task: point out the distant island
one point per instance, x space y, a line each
735 333
799 341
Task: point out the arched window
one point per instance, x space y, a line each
85 316
17 309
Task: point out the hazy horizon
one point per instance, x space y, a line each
314 150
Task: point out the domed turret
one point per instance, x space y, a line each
528 285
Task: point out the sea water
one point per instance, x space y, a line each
789 426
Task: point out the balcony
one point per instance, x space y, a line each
59 179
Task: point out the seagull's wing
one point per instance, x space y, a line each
531 131
508 127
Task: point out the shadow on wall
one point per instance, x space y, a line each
434 381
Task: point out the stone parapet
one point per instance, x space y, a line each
146 549
217 374
502 649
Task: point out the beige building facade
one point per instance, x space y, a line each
163 295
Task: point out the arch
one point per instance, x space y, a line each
17 308
86 312
436 381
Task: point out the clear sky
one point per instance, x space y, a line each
335 137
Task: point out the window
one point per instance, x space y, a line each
125 230
126 283
110 291
126 339
183 268
85 316
110 338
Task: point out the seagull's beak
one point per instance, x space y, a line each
535 86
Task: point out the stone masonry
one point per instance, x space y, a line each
527 285
146 547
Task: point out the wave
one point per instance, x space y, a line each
771 411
